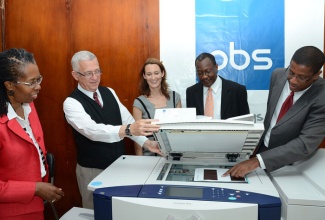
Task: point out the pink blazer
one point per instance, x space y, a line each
20 167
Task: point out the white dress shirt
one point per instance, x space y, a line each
24 122
78 118
216 92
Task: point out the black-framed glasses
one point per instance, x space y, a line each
32 84
90 74
300 78
206 72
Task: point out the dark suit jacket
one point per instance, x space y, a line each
233 99
300 131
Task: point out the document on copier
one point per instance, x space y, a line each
215 175
178 115
174 115
247 118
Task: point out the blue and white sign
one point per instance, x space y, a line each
249 38
246 37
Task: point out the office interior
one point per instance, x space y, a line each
123 34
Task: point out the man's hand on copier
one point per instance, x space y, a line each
153 147
242 168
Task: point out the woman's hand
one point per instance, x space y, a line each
48 192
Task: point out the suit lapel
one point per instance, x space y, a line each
225 99
301 102
276 92
16 128
274 95
199 98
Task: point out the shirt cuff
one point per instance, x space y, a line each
260 159
139 139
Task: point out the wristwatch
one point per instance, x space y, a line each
128 130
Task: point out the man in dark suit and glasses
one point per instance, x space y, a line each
299 132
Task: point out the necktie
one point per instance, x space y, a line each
39 148
286 106
209 105
97 100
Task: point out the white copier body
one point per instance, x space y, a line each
146 187
302 188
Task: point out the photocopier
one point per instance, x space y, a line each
302 188
187 183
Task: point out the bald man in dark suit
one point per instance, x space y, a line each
230 98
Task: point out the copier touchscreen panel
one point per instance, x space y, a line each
184 192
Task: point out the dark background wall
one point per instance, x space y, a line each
123 34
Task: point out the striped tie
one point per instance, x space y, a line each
95 95
209 104
40 150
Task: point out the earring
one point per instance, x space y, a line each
11 92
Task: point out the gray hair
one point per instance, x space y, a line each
81 56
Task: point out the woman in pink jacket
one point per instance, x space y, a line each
23 169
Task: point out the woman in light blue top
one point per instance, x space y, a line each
155 94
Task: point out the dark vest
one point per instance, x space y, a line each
96 154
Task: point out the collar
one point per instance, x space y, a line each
88 93
215 86
12 114
297 94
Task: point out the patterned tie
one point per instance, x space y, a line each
209 104
286 106
97 100
39 148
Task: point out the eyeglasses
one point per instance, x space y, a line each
205 72
300 78
32 84
90 74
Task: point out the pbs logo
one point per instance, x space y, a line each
262 61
